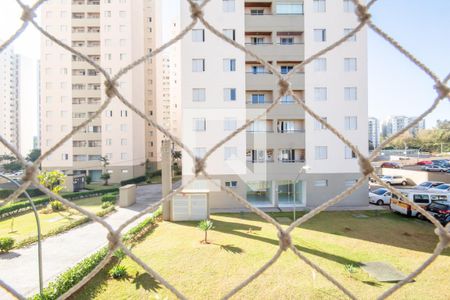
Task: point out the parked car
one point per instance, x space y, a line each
380 196
440 210
435 168
391 165
440 162
394 179
442 187
428 185
421 198
424 163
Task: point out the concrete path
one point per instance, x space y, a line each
19 269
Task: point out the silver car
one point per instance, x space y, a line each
435 168
394 179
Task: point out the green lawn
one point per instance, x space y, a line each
24 226
240 243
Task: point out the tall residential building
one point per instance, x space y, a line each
286 156
394 124
374 132
112 33
9 99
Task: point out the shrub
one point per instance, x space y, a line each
6 244
56 205
32 192
118 272
206 225
106 205
88 179
110 197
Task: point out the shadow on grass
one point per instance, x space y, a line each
231 248
146 282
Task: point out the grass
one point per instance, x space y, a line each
98 186
23 227
241 243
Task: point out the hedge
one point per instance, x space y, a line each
133 180
22 206
71 277
110 197
32 192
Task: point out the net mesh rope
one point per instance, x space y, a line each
114 237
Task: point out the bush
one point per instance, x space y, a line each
32 192
133 180
109 198
118 272
6 244
88 179
106 205
56 205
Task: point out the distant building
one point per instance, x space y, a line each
394 124
9 99
374 132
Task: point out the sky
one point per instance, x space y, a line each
396 86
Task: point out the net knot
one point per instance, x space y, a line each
199 165
113 241
363 13
110 88
27 14
30 173
285 240
196 11
365 165
442 90
444 235
284 86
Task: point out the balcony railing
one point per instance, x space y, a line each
295 160
290 130
255 161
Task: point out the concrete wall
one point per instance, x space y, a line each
416 177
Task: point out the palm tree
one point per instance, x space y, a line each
206 225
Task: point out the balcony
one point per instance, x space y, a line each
264 81
269 22
276 51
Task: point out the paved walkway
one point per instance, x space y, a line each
19 268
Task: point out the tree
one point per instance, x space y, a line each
33 155
105 162
105 177
53 180
7 157
12 166
206 225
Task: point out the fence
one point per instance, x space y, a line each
362 11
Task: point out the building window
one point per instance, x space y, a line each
285 69
198 95
320 35
124 113
229 65
258 98
349 154
230 153
229 94
286 41
318 125
108 142
198 65
109 113
123 156
289 9
229 124
350 64
320 64
123 142
321 183
321 152
229 6
351 123
123 127
320 93
352 38
64 156
199 124
349 6
350 93
350 182
231 184
319 6
198 35
230 33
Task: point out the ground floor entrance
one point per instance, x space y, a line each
283 193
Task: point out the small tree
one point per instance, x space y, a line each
105 177
206 225
53 180
33 155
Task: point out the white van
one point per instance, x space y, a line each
421 198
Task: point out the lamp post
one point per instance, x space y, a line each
304 169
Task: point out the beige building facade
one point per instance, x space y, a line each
287 158
113 33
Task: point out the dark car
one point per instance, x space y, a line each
392 165
440 210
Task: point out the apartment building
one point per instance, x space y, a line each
374 132
113 33
394 124
287 156
9 99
